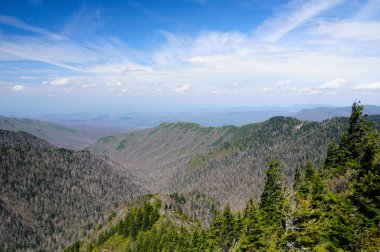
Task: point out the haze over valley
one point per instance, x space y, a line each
189 125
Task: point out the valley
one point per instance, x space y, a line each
226 163
48 195
196 169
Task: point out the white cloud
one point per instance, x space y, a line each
88 85
205 48
307 90
267 89
335 83
17 88
354 30
369 10
60 82
297 14
367 86
115 83
25 77
15 22
46 51
287 86
214 62
181 89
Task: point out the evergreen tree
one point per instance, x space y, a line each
253 234
367 188
272 197
352 143
297 178
215 235
228 227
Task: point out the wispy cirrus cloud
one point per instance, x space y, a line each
351 29
86 21
15 22
206 63
296 14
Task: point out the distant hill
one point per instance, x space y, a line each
226 163
55 134
49 196
322 113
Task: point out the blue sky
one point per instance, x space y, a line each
73 55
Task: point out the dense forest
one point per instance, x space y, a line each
226 163
280 185
49 196
331 207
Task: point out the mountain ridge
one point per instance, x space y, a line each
56 134
227 163
49 195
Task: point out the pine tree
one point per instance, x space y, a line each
272 198
367 188
297 178
228 227
352 142
215 235
253 234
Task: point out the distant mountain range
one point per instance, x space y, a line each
56 134
78 134
131 121
322 113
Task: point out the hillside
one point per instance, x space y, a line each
49 196
55 134
322 113
226 163
331 208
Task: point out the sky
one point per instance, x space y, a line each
107 55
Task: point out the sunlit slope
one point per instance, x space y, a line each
227 163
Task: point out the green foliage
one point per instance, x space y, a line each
137 220
75 247
333 208
179 198
107 139
367 187
326 215
122 144
350 149
272 198
253 234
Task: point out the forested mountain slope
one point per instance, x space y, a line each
49 196
227 163
335 207
55 134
